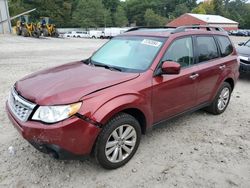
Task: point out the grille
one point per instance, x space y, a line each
20 107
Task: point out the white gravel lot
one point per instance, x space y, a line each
196 150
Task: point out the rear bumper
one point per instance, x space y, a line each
71 138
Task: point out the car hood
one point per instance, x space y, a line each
243 50
68 83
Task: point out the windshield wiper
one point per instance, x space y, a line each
91 63
107 67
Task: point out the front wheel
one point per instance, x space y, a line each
221 100
118 141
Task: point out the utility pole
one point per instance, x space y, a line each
4 15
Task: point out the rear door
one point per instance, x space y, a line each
173 94
210 67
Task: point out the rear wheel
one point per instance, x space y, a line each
36 33
45 32
221 100
25 32
118 141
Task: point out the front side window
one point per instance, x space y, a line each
207 49
225 46
180 51
130 54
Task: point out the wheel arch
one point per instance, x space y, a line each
231 82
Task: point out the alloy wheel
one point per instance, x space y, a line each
223 99
120 143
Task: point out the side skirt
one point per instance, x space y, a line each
191 110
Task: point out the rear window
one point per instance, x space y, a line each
207 49
225 46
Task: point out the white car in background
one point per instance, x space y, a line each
77 34
94 34
112 32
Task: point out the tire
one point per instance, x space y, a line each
36 34
55 34
109 148
25 32
93 37
220 103
45 32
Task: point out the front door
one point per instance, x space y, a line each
173 94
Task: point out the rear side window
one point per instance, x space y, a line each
225 46
207 49
180 51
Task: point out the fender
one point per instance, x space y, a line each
224 76
122 102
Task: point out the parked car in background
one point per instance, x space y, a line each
244 55
239 33
248 32
102 105
112 32
77 34
94 34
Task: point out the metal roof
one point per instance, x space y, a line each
213 19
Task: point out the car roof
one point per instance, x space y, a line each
166 32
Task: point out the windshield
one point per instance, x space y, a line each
129 54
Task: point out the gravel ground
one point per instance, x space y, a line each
196 150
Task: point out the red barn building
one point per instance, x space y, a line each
204 19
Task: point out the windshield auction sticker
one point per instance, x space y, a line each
151 42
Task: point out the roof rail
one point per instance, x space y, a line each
140 28
207 27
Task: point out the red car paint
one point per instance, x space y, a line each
105 93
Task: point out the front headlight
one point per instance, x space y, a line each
52 114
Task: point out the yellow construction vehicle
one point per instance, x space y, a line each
46 28
26 29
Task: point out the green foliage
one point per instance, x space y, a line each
204 8
120 18
199 10
90 13
218 7
101 13
153 20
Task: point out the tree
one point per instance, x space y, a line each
218 7
90 13
204 8
108 19
180 9
199 10
120 18
153 20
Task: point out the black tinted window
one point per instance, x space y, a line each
225 46
180 51
207 49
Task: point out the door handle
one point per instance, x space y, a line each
194 76
222 67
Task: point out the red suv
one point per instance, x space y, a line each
103 104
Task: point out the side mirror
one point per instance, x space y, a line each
241 43
170 67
